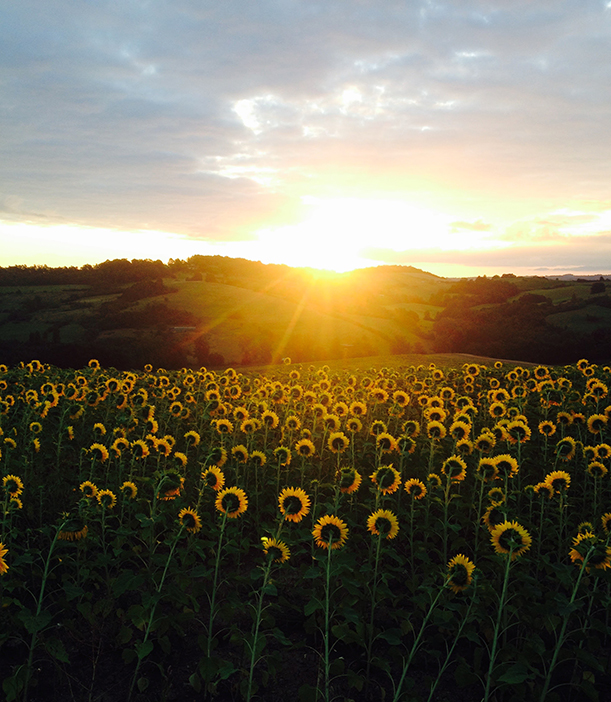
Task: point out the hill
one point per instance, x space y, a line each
213 310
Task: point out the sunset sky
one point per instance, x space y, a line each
461 137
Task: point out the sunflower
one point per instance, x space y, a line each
416 488
387 479
596 469
386 443
88 489
106 499
338 442
606 522
460 572
603 451
13 485
190 520
454 468
278 551
240 453
35 427
383 523
353 425
330 531
436 430
547 428
170 486
193 438
294 504
493 516
433 480
349 480
378 427
496 495
511 538
518 431
292 423
305 448
283 455
3 565
129 490
270 419
558 480
544 490
565 448
585 526
506 465
99 451
591 551
460 430
214 478
140 448
485 442
597 423
217 457
74 530
232 502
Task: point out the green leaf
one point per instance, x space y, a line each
124 636
517 673
56 648
311 607
391 636
195 682
127 582
143 648
34 623
143 684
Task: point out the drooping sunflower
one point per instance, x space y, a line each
454 468
129 490
278 551
510 538
386 443
13 485
387 479
415 488
330 531
294 504
106 499
383 523
558 480
214 478
74 529
305 448
99 451
590 551
460 573
88 489
3 564
349 480
232 501
190 520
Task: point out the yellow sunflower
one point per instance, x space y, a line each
88 489
487 469
606 522
278 551
13 485
106 499
189 518
416 488
283 455
330 531
349 480
386 443
512 538
506 465
454 468
99 451
558 480
305 448
383 523
214 477
387 479
240 453
460 573
294 504
129 490
3 564
232 501
588 549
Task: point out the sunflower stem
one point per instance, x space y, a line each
214 584
253 646
373 606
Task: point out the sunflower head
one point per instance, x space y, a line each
190 520
454 468
129 490
349 480
13 485
416 488
510 538
214 477
338 442
330 532
294 504
232 502
387 479
88 489
383 523
558 480
433 480
460 573
275 550
106 499
590 551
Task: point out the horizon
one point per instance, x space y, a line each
462 138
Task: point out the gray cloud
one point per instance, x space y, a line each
196 116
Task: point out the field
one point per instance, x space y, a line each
369 529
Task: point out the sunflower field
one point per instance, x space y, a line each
302 533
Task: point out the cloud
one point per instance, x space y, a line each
213 119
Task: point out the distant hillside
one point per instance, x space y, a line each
213 310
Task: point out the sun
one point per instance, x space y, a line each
342 234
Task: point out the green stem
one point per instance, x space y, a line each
497 627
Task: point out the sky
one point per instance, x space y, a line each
462 137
